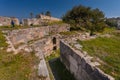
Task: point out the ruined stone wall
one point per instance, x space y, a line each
25 35
80 64
33 21
6 21
48 17
118 24
59 28
45 45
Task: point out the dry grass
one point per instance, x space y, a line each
16 67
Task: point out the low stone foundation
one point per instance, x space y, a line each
80 64
45 45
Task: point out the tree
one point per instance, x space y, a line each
48 13
42 13
31 15
82 17
112 22
98 23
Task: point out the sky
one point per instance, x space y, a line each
23 8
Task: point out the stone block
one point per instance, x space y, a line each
85 76
73 62
99 75
78 58
83 63
80 64
89 69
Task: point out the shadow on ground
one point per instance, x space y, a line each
59 70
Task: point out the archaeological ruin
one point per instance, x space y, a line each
43 40
80 64
39 20
6 21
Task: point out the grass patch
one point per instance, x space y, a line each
68 33
2 40
10 27
108 50
55 23
16 67
17 27
109 30
54 54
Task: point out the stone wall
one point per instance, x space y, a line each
45 45
118 24
39 20
25 35
33 21
80 64
44 17
59 28
6 21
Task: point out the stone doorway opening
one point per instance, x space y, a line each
55 48
54 40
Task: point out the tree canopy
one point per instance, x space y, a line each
82 17
31 15
48 13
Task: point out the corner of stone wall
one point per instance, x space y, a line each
80 64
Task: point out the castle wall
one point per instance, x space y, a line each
80 65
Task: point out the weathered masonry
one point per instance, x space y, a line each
25 35
40 40
6 21
80 65
37 38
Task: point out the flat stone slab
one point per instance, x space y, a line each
42 70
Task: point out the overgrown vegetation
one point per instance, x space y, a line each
81 17
17 27
111 22
108 50
54 54
2 40
48 13
55 23
68 33
16 67
12 28
109 30
58 68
